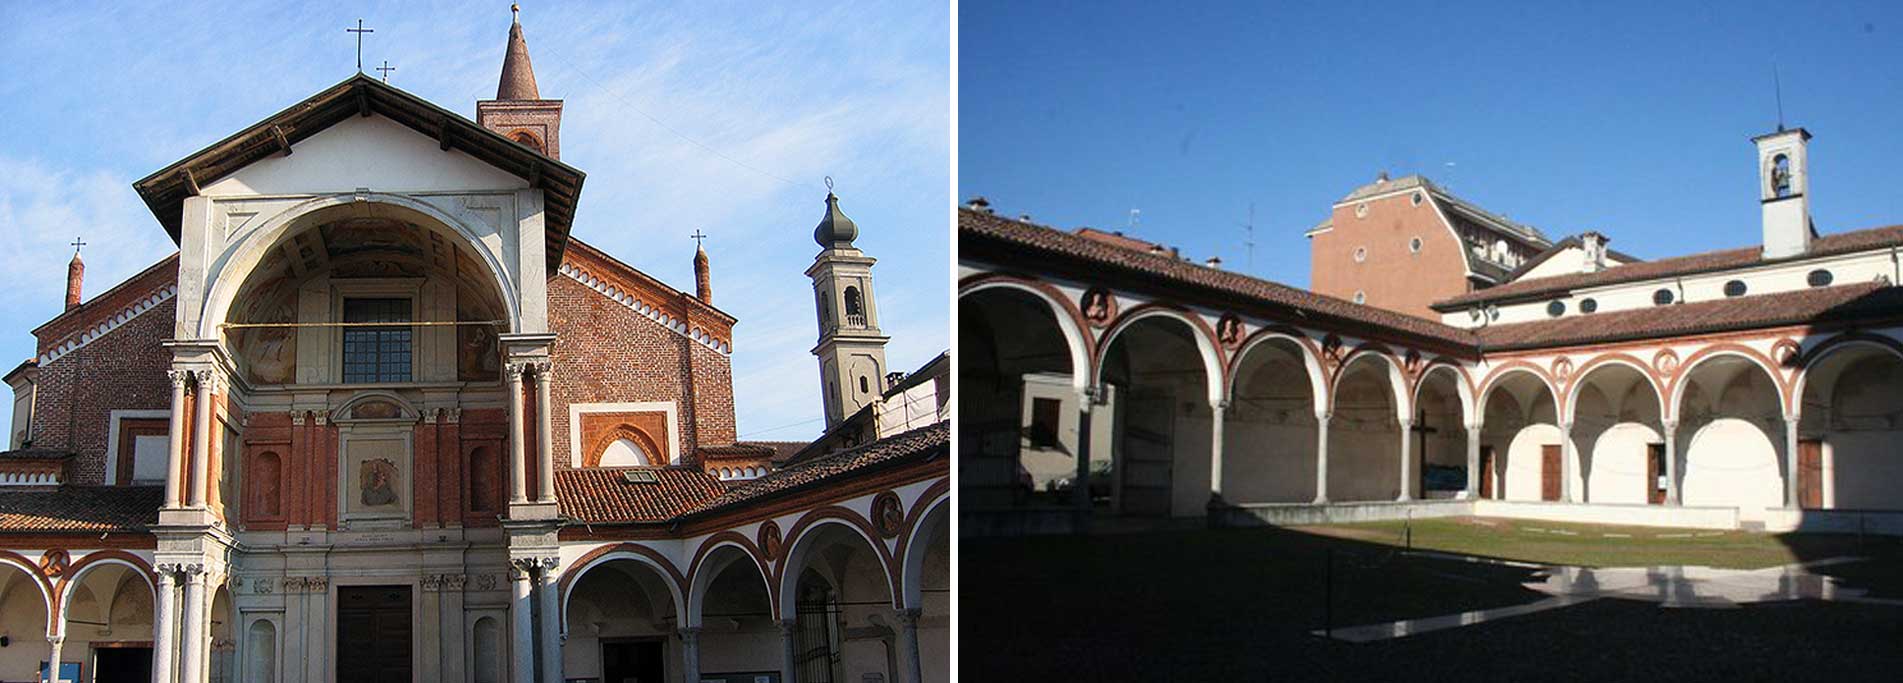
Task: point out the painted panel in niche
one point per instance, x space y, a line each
478 351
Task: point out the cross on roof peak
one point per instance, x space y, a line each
697 237
386 69
77 243
360 30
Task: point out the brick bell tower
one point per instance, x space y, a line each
518 112
851 349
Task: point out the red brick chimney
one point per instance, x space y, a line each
75 272
703 278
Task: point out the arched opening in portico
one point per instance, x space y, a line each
1019 407
1269 427
1616 418
728 599
835 587
1439 435
1364 432
1520 451
23 618
1730 416
108 614
1162 417
621 621
1852 421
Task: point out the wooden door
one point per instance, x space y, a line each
1655 482
1549 472
1486 473
373 634
1810 474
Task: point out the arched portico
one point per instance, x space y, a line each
1617 415
26 611
1851 423
622 615
1367 412
1166 378
1269 435
1522 445
835 578
731 624
1731 417
1440 436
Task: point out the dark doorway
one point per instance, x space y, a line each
632 661
1810 474
1549 473
373 634
1655 482
1486 473
122 665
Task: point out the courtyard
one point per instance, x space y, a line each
1248 604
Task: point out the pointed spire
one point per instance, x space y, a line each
518 78
835 231
75 275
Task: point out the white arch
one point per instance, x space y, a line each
912 566
1074 339
674 591
1803 374
231 267
1317 380
46 598
72 585
1397 383
1569 410
1212 360
795 561
703 578
1486 392
1685 380
1462 391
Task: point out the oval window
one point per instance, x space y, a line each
1588 305
1662 297
1361 254
1734 288
1414 245
1361 210
1361 297
1556 308
1819 278
1418 198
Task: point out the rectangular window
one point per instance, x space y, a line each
377 354
1045 416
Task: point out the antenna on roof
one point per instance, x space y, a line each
1777 86
1248 241
1136 216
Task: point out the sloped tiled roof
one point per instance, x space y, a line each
781 449
1804 306
1826 245
80 508
1522 231
604 495
1033 241
919 444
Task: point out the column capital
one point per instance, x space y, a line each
1324 415
1475 428
56 641
908 616
1669 426
1219 405
179 378
543 369
513 370
688 634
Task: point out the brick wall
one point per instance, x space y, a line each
1392 276
123 370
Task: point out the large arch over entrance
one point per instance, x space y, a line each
1157 366
1270 424
1617 417
1730 418
107 606
1852 421
1521 450
1021 375
1364 430
620 617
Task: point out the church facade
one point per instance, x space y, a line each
1453 363
383 418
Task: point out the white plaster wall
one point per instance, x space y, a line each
23 618
1864 469
1189 474
1364 460
1733 462
1618 464
754 646
373 152
1523 461
1049 464
1264 461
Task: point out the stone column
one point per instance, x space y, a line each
522 618
165 622
1216 409
430 599
201 438
52 657
454 666
1790 461
1473 463
550 642
690 653
1407 460
1566 462
175 448
1671 461
1321 458
911 669
1082 489
789 653
191 646
518 473
544 443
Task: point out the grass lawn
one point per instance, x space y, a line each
1238 604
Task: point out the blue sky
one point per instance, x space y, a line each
98 95
1630 118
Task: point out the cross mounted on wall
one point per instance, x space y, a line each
360 30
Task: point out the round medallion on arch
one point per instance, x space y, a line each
1785 352
1412 363
770 540
1665 362
1100 306
1229 331
888 515
1331 351
55 562
1562 368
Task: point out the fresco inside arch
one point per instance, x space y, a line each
361 248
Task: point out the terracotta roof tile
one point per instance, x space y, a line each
605 495
919 444
781 449
1036 240
1804 306
80 508
1839 243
